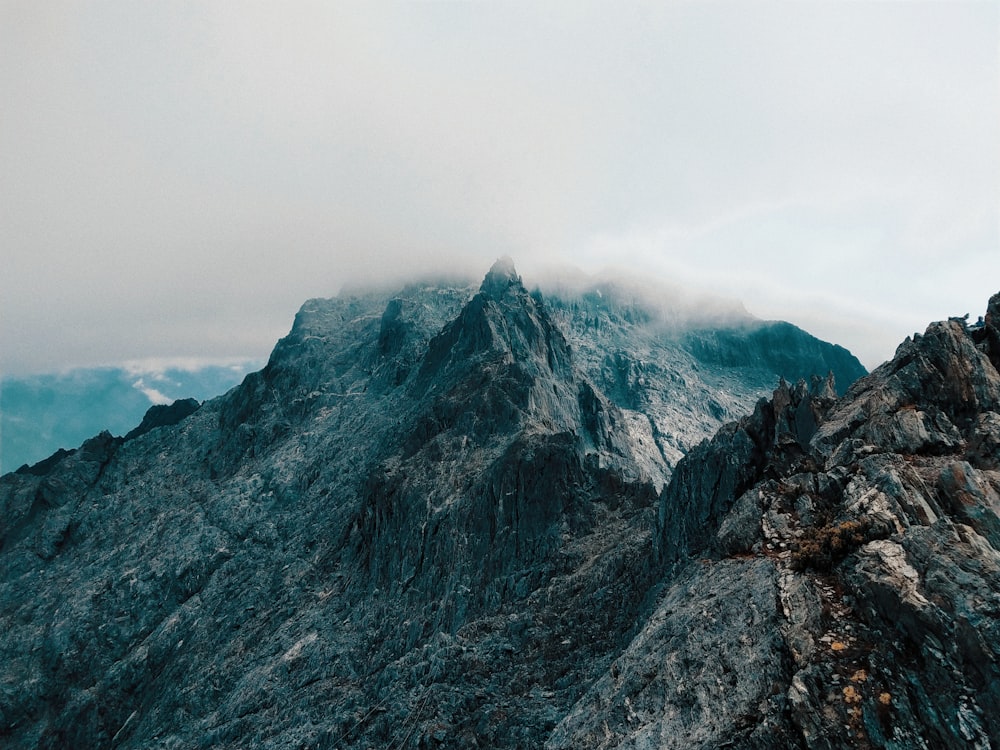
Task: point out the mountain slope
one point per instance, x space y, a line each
679 366
430 520
776 346
845 591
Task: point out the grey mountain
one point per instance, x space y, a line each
459 516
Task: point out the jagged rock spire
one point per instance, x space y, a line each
500 278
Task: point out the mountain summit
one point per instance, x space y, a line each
501 277
469 515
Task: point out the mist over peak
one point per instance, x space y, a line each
670 305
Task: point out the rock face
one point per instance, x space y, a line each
454 517
164 415
776 346
846 590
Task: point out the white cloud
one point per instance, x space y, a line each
176 180
154 396
157 367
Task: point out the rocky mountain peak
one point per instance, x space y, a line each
936 385
501 277
501 326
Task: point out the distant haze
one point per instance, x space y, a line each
177 178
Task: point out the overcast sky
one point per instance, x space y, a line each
176 178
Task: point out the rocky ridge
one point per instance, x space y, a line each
432 521
677 367
847 580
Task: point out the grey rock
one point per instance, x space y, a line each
972 498
164 416
740 529
878 513
701 672
984 441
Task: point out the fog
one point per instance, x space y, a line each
176 179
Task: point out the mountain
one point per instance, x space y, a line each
683 364
461 516
40 414
833 575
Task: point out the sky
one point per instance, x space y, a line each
176 178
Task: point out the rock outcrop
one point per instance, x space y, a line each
164 415
836 572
